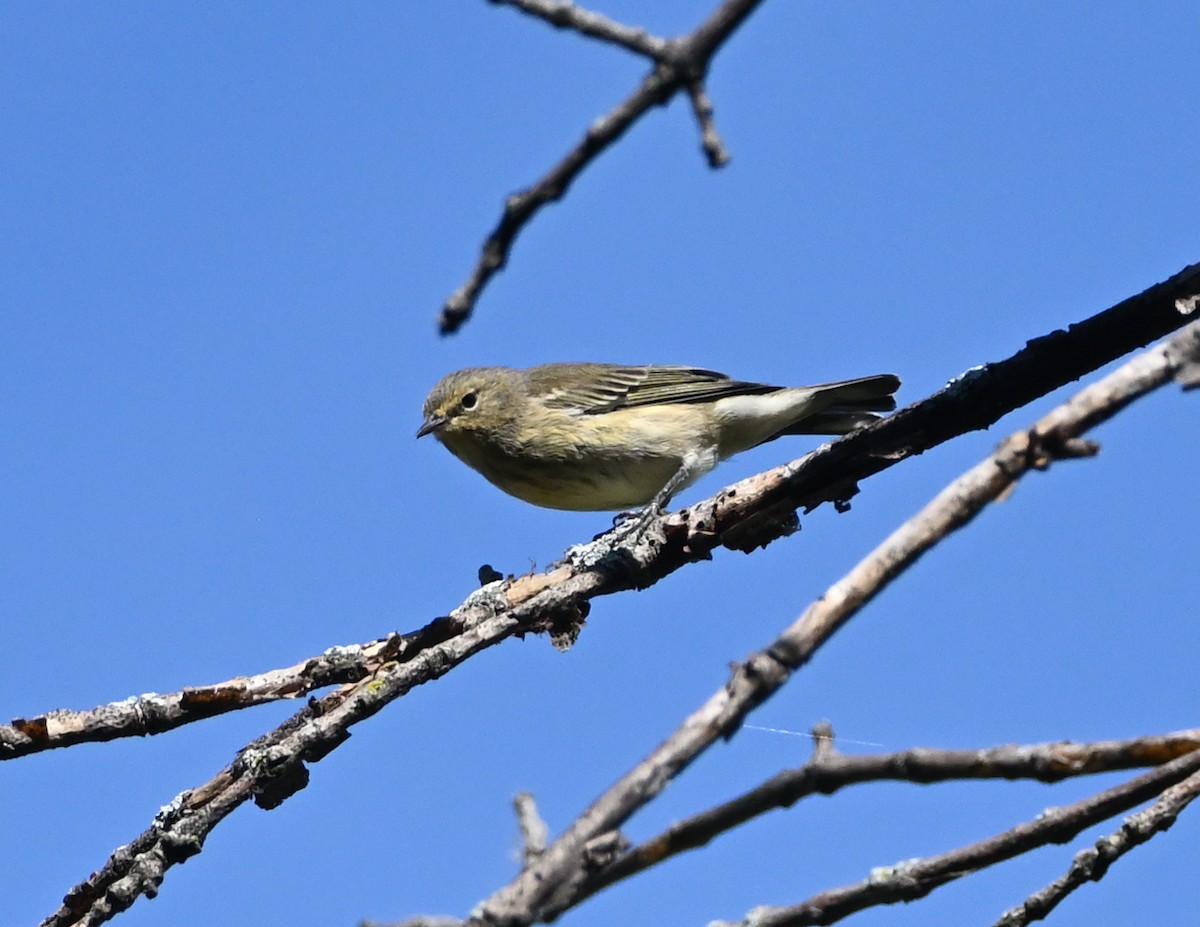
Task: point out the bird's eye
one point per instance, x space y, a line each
469 400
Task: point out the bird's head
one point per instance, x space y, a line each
474 402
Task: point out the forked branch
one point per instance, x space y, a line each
677 64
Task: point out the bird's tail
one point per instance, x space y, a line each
848 405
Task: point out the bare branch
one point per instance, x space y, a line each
154 713
916 878
748 514
973 400
829 771
680 63
544 889
564 15
1092 864
273 768
710 138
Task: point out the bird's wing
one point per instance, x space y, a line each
590 389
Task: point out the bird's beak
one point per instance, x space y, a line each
432 423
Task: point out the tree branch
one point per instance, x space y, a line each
972 401
1092 864
746 515
829 771
710 138
557 601
679 64
916 878
154 713
542 890
565 15
273 768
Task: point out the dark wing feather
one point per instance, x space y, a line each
583 388
591 389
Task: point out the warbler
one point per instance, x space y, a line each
607 437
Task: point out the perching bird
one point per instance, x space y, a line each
606 437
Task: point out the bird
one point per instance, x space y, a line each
613 437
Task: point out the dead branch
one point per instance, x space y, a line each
829 771
154 713
916 878
746 515
678 64
1091 864
542 890
274 767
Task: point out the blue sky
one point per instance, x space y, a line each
228 230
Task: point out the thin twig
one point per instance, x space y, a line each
710 138
680 63
1091 864
916 878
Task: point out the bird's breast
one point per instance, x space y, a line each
607 462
